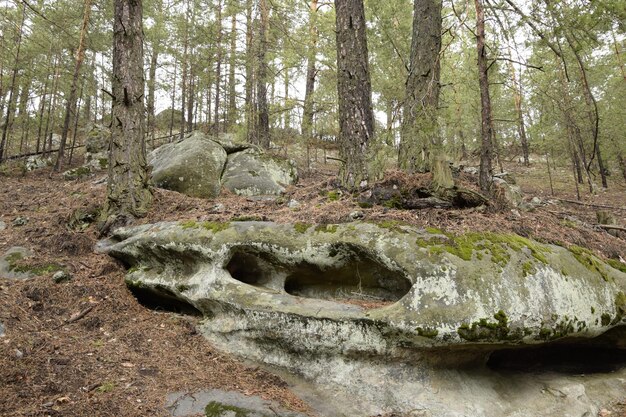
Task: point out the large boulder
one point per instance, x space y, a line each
192 166
97 148
401 318
251 172
35 162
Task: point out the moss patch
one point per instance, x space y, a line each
217 409
333 195
488 330
428 332
590 261
615 264
301 227
326 228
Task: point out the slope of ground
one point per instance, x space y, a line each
86 347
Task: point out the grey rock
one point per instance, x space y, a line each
35 162
231 144
218 403
97 161
77 173
10 258
471 170
276 294
253 173
3 225
61 276
20 221
506 176
293 204
218 208
19 354
357 214
97 140
192 166
2 329
511 193
536 201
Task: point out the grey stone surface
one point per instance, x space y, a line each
3 225
35 162
8 260
251 173
20 221
231 144
61 276
192 166
218 403
2 329
426 311
512 193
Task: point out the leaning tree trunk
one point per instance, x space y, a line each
232 60
356 120
128 193
486 146
419 124
70 106
151 89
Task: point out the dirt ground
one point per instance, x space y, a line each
86 347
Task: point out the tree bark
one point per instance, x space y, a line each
70 106
128 193
486 148
151 125
356 120
249 107
263 123
232 60
418 133
307 112
218 66
13 86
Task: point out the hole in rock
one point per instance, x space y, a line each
355 275
250 266
161 298
563 358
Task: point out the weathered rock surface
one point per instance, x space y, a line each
10 258
229 142
400 318
35 162
250 172
192 166
218 403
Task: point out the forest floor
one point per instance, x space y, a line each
122 359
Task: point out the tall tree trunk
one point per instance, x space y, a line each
307 112
232 60
151 125
356 119
12 87
486 145
418 133
173 100
70 106
263 124
23 111
190 99
218 66
128 192
52 106
286 100
42 108
249 107
183 81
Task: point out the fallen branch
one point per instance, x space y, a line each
612 227
75 317
580 203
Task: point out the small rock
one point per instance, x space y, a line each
604 413
19 354
2 329
536 201
20 221
293 204
357 214
3 225
471 170
61 276
218 208
77 173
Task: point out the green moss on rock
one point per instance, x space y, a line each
326 228
301 227
590 261
217 409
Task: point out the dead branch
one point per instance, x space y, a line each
612 227
580 203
